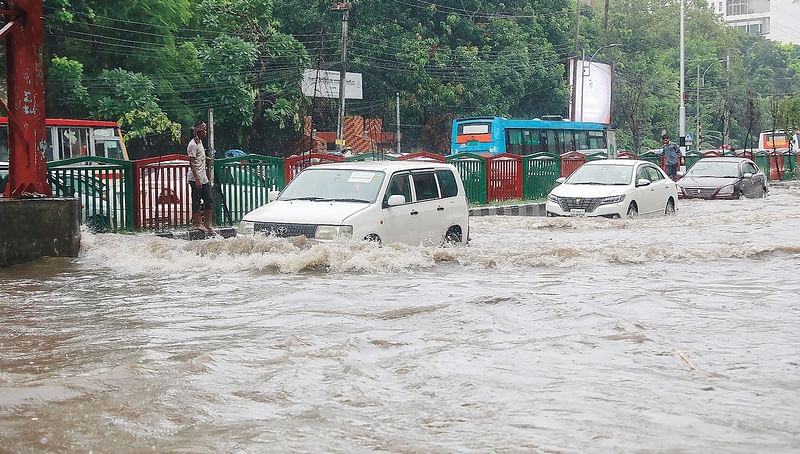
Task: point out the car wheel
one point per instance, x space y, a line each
763 192
633 211
453 236
741 196
670 207
373 238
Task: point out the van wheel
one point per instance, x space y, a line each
453 235
373 238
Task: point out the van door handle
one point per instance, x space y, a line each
440 209
414 212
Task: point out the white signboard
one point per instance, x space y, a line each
327 84
592 92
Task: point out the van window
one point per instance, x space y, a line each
398 185
425 186
447 183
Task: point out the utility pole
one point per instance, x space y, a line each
726 115
344 7
697 114
24 33
682 111
573 105
314 98
397 136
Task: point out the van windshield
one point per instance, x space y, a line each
346 185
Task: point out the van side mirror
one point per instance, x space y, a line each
273 196
748 175
560 180
396 199
642 182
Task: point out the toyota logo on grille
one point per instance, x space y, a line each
699 191
577 200
281 231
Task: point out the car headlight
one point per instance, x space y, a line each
329 232
726 190
552 198
612 199
246 228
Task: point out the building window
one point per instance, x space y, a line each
739 7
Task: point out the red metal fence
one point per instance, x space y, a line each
161 192
422 156
571 161
505 177
295 164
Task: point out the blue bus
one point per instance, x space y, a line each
498 135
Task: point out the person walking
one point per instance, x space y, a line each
202 202
672 156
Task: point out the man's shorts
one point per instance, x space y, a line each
204 194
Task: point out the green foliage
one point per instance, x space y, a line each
66 78
141 124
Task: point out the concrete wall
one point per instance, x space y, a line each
33 228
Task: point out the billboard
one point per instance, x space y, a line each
327 84
591 91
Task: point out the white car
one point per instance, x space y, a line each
409 202
614 188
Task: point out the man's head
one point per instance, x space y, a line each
201 130
665 138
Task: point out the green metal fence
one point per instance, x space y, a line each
472 168
762 161
596 156
651 156
540 172
104 187
691 159
789 165
245 183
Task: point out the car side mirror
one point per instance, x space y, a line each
748 175
396 199
680 174
642 182
273 196
560 180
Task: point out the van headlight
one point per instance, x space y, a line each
726 190
246 228
612 199
552 198
329 232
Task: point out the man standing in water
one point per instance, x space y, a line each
672 155
199 180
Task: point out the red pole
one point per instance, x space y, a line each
27 142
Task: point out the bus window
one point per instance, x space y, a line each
4 144
106 144
74 142
582 140
597 140
568 138
552 144
514 141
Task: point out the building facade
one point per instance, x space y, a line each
777 20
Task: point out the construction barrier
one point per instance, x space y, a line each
295 164
103 186
505 177
571 161
162 195
541 170
472 168
243 183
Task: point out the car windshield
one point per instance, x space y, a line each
604 174
334 184
718 169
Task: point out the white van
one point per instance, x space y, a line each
384 201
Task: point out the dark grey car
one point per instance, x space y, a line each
723 178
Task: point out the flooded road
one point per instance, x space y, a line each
543 335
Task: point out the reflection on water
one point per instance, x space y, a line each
543 335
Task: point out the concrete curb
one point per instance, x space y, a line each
530 209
